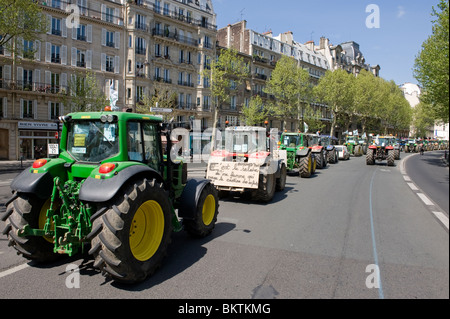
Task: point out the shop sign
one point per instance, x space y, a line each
38 126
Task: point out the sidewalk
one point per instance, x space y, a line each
14 166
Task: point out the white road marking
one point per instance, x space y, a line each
407 178
425 199
442 218
6 182
412 186
13 270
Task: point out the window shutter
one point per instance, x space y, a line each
89 59
48 51
103 66
37 54
89 33
74 56
64 54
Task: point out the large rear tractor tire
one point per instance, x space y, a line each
206 215
370 157
391 158
130 236
266 188
331 156
28 210
281 181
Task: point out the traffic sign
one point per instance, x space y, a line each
160 110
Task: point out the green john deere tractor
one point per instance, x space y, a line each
113 188
299 154
353 146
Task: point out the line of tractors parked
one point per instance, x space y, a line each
118 188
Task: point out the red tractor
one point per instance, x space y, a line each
381 149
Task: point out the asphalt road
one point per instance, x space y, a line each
321 238
431 175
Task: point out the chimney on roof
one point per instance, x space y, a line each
288 37
310 45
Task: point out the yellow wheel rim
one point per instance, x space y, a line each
43 219
146 231
209 210
309 164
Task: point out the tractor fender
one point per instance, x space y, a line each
317 149
303 152
31 183
102 190
190 197
330 148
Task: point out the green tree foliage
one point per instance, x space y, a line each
432 65
372 102
228 66
336 89
84 93
422 119
20 19
291 87
256 113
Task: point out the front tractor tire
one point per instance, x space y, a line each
206 214
307 166
31 211
130 236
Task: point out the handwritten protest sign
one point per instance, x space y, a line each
234 174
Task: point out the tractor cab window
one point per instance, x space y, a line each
92 141
144 144
291 140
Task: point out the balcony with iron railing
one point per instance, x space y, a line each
84 11
175 15
174 36
27 86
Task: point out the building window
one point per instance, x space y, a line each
109 14
109 63
110 39
55 110
28 52
81 59
157 50
81 32
27 109
56 26
56 58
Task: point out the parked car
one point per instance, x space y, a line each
343 152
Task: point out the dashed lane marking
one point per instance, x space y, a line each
443 219
13 270
413 187
425 199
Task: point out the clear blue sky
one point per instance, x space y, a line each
404 26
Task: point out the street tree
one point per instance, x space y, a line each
255 113
422 119
432 65
84 93
292 89
335 89
222 72
20 20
